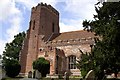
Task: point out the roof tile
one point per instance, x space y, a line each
73 35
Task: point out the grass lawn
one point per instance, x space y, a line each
41 79
49 79
17 78
60 79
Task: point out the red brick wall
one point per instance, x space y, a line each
42 18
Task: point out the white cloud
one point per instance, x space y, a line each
65 28
2 45
81 8
31 3
9 14
4 9
14 18
2 42
73 25
14 29
7 8
27 3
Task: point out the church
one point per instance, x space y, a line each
43 39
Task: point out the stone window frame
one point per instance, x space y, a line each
72 62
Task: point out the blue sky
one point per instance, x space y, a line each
15 16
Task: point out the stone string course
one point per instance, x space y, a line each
78 41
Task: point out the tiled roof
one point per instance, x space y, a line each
50 37
74 35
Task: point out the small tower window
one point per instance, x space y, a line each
53 26
33 24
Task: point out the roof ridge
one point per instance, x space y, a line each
74 35
73 31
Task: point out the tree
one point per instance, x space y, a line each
106 51
11 55
12 49
85 64
42 65
12 67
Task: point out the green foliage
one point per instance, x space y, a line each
106 51
42 66
12 67
11 55
84 62
12 49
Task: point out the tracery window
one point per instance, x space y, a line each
72 62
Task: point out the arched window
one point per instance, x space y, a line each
72 62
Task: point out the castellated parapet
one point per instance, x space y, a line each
48 7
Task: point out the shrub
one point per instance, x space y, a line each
42 65
12 67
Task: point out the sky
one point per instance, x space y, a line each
15 16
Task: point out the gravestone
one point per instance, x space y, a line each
1 68
2 73
30 74
66 76
90 75
34 74
38 75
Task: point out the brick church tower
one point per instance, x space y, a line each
44 22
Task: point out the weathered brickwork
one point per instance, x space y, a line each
44 40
